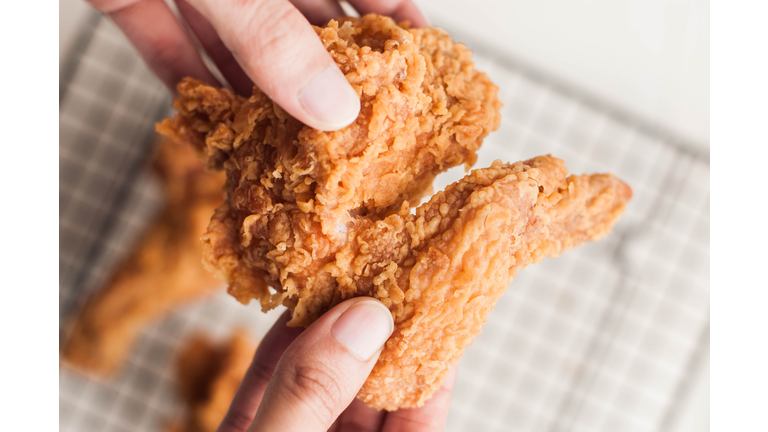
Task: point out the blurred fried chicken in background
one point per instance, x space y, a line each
208 375
163 272
313 218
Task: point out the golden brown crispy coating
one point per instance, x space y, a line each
324 216
163 272
441 270
294 190
208 376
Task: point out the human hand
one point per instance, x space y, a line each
266 42
306 379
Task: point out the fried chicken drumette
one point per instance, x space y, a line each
208 376
163 272
320 217
441 270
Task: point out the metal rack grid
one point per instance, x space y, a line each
603 338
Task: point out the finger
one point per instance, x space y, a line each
359 417
159 37
319 12
324 368
429 418
279 50
251 391
399 10
216 50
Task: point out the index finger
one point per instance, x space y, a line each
251 391
280 51
159 37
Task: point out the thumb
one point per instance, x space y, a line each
320 373
280 51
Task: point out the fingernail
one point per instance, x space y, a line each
330 99
363 328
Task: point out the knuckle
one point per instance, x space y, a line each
274 34
314 384
236 420
261 371
265 28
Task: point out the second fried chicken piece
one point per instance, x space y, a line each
442 270
163 272
208 377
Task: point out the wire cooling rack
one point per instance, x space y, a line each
603 338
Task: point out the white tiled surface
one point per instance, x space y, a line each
601 339
104 133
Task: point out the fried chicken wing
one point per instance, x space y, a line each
294 191
313 218
441 270
208 375
163 272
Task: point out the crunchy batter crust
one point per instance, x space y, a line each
294 191
319 217
442 270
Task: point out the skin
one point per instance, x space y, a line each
251 42
304 380
300 379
